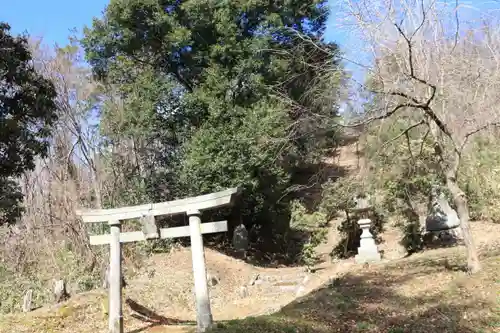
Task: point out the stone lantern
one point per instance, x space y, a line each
367 250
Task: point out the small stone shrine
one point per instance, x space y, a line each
441 216
442 220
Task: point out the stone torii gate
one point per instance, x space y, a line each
192 207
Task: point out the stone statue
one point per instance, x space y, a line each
240 238
440 216
60 293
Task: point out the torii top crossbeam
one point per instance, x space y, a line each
200 203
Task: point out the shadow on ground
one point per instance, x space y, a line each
418 296
153 319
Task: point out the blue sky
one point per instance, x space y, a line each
50 19
53 19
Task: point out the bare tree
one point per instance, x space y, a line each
76 171
69 175
76 141
442 74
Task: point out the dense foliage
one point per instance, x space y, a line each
215 94
27 111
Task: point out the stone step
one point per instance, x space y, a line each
285 283
280 288
280 277
289 288
264 279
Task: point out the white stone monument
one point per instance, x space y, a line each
441 215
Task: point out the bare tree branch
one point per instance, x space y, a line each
477 130
423 140
408 145
405 132
426 106
401 94
457 26
422 22
380 117
409 44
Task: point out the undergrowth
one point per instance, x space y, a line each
314 225
40 277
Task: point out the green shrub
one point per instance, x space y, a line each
313 225
74 270
155 246
87 282
412 239
338 195
480 179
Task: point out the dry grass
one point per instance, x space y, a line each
424 293
418 295
172 289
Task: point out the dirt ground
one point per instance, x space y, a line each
160 298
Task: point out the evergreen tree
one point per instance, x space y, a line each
27 111
229 92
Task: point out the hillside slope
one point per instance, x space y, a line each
423 293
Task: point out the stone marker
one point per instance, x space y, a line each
367 251
60 293
243 292
240 238
212 279
27 301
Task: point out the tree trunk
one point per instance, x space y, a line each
459 197
96 179
460 200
